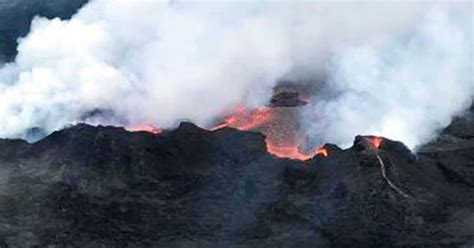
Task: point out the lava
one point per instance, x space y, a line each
245 119
292 152
281 139
322 152
278 132
376 142
144 128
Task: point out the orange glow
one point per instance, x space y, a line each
294 152
287 152
281 137
246 119
376 142
266 120
322 151
144 128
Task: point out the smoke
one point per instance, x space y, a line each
140 62
407 89
133 62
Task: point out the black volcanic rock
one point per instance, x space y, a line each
286 99
88 186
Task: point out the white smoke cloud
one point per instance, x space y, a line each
407 89
145 62
159 63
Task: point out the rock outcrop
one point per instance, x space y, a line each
88 186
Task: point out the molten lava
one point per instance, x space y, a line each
271 122
277 124
292 152
376 142
246 119
322 152
144 128
282 138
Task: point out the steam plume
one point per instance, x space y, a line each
407 89
134 62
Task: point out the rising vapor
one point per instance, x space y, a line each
407 89
398 70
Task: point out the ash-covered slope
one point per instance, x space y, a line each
90 186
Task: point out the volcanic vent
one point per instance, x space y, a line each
279 122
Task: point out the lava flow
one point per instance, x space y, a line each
282 138
144 128
279 133
244 119
292 152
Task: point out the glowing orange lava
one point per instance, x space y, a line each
287 152
322 152
376 142
294 152
144 128
246 119
281 140
266 120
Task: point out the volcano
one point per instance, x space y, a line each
255 172
88 186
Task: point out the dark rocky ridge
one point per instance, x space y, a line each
90 186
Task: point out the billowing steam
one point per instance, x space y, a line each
398 70
406 89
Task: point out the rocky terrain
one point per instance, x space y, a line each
88 186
